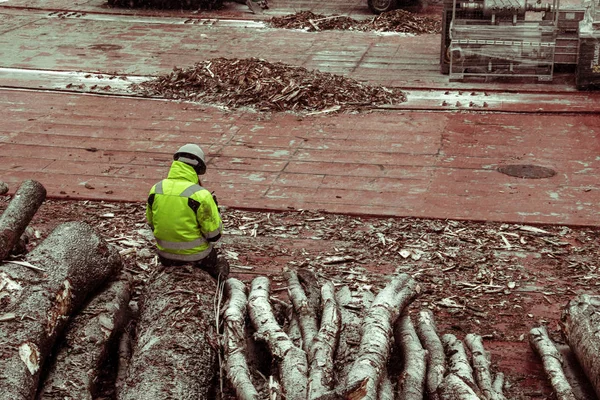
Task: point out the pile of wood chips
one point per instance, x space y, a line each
391 21
168 4
267 86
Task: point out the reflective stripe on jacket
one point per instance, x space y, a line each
183 215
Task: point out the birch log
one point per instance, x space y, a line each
312 287
457 360
76 368
68 266
454 388
411 382
353 306
498 384
581 329
322 351
552 361
307 317
436 360
293 364
375 345
386 388
234 340
480 359
21 209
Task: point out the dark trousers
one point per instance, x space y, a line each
208 263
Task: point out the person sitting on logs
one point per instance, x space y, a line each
184 216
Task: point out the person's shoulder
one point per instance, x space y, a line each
199 192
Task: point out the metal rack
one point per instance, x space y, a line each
497 38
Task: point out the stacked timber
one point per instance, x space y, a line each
65 317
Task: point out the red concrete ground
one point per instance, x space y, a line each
425 164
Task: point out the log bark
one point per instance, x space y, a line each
292 327
454 388
436 360
307 317
375 345
293 364
411 382
124 354
353 306
580 384
322 351
552 361
312 288
71 263
3 188
88 339
581 329
498 383
174 355
457 360
386 388
234 340
21 209
480 359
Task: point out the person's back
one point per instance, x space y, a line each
184 216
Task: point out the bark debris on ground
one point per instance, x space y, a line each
401 21
267 86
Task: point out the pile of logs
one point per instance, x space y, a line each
39 294
65 312
316 355
335 344
67 322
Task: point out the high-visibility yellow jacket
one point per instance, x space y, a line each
183 215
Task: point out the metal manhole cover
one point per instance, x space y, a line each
105 47
527 171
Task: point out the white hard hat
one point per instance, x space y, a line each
193 155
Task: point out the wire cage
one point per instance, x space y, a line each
502 38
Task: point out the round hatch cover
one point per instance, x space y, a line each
527 171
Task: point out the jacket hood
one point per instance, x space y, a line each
181 170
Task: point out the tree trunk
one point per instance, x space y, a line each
312 288
386 388
457 360
307 317
293 364
480 359
234 340
411 382
88 339
375 345
454 388
581 329
21 209
322 351
436 359
71 263
174 356
552 360
352 310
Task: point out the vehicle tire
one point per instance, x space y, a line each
381 6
